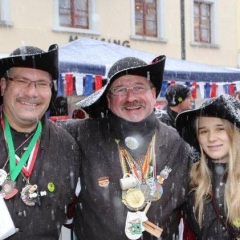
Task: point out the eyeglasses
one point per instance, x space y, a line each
25 83
138 89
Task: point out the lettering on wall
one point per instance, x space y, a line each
124 43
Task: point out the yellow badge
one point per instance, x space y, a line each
51 187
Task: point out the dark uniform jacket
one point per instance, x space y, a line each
100 213
168 116
212 227
57 162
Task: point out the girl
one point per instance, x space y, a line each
213 209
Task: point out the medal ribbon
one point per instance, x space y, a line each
31 161
150 157
15 169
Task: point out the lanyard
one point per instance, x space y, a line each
15 168
126 159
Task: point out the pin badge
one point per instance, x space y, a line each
51 187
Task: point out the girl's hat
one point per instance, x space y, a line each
224 107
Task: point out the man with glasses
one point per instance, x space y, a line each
134 168
39 161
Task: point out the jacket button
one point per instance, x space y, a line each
220 205
224 229
221 216
21 213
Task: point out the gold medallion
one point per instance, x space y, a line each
135 199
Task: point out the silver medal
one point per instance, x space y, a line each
131 143
26 194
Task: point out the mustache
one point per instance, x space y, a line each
134 104
29 100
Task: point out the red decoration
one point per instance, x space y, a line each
172 82
69 84
231 89
214 90
194 92
98 82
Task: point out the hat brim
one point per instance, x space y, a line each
46 61
224 107
96 103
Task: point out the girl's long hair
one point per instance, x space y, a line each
200 178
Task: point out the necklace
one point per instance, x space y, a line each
129 165
136 193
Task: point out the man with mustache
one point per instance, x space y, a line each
131 162
38 160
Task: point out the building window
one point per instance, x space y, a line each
75 16
202 22
74 13
148 21
4 14
146 18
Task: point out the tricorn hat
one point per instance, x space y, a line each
224 106
96 104
33 57
177 93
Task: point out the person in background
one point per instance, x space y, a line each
213 209
39 161
130 160
179 98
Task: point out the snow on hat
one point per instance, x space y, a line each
96 103
224 107
33 57
177 93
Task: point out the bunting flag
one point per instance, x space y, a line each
220 89
98 82
69 84
164 88
188 84
172 82
86 84
79 83
194 92
207 89
237 85
226 88
214 90
60 85
231 89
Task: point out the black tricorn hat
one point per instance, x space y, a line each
224 106
96 104
33 57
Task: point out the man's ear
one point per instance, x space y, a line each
3 85
154 92
108 96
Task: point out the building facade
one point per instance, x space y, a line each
203 31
